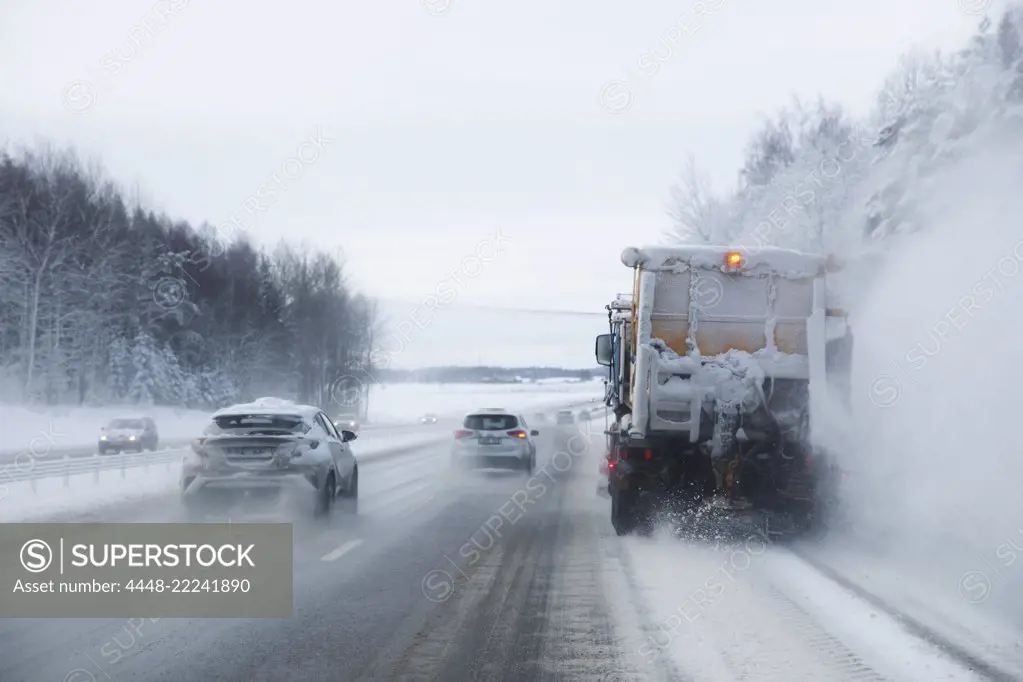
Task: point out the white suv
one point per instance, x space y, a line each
494 438
263 449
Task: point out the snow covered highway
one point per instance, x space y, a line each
498 576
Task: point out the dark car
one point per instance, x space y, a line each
134 433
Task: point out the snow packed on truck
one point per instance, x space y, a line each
718 363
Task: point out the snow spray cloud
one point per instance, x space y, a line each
616 97
132 634
937 472
24 463
171 289
438 585
976 586
80 95
885 390
347 389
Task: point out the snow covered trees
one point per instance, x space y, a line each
816 179
100 302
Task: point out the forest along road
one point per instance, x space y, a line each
497 576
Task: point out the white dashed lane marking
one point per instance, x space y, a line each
336 554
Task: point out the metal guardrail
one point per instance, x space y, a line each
66 467
45 466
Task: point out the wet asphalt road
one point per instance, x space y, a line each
442 576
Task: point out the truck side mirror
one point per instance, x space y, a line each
603 350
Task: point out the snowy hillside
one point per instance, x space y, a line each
817 179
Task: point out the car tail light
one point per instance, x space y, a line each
611 466
462 433
518 433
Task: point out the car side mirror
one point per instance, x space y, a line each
313 444
347 435
534 432
603 350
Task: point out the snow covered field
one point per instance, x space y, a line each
401 402
42 431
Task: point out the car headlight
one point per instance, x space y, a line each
102 437
131 437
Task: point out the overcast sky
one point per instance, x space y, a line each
439 122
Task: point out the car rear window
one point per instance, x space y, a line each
490 422
257 422
126 424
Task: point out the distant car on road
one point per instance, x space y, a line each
428 419
132 433
264 450
491 438
565 418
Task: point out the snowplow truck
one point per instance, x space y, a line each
718 362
